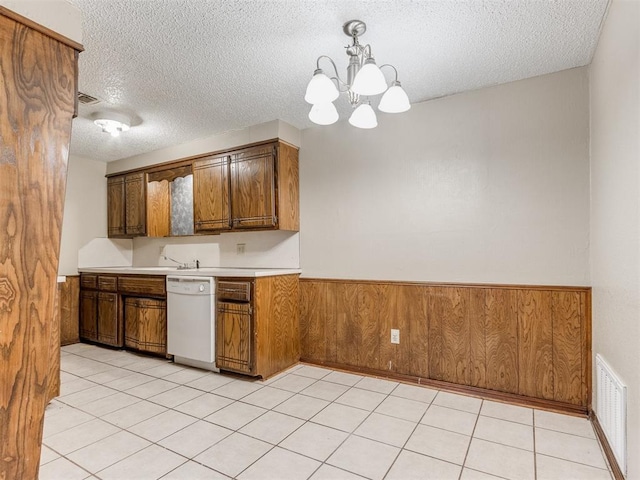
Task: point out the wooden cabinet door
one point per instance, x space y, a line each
116 207
233 337
211 206
88 315
135 204
253 202
145 322
109 331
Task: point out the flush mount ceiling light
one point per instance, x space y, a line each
112 123
364 79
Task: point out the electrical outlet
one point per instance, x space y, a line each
240 248
395 335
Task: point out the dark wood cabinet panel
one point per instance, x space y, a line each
158 208
253 203
258 324
141 285
69 306
277 324
135 204
126 205
211 194
234 337
507 341
115 313
109 330
89 315
116 214
145 321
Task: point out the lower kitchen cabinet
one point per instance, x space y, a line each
257 330
145 321
124 310
109 330
89 315
233 337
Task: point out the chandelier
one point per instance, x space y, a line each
364 80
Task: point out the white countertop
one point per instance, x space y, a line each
194 272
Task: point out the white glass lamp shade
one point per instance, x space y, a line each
369 79
112 123
320 89
394 100
364 117
323 113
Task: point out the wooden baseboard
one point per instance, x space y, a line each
484 393
608 451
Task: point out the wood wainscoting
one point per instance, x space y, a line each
528 344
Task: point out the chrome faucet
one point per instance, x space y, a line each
181 266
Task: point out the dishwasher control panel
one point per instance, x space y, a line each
190 285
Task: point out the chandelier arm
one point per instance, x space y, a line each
394 69
335 69
364 51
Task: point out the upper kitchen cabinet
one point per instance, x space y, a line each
126 205
211 206
250 188
264 187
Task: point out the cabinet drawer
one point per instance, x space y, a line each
230 290
142 285
88 281
109 284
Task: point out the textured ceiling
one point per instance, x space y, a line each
185 69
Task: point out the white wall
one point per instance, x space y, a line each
85 210
615 206
231 139
57 15
485 186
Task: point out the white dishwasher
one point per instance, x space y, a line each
191 320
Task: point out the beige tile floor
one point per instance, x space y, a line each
124 416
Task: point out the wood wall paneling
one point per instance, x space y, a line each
449 345
535 351
313 315
37 96
501 340
567 347
520 342
412 354
159 208
348 329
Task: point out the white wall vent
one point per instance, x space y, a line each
611 409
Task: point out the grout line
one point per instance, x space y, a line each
464 461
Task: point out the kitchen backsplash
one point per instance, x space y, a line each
273 249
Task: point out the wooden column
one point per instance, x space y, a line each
38 81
